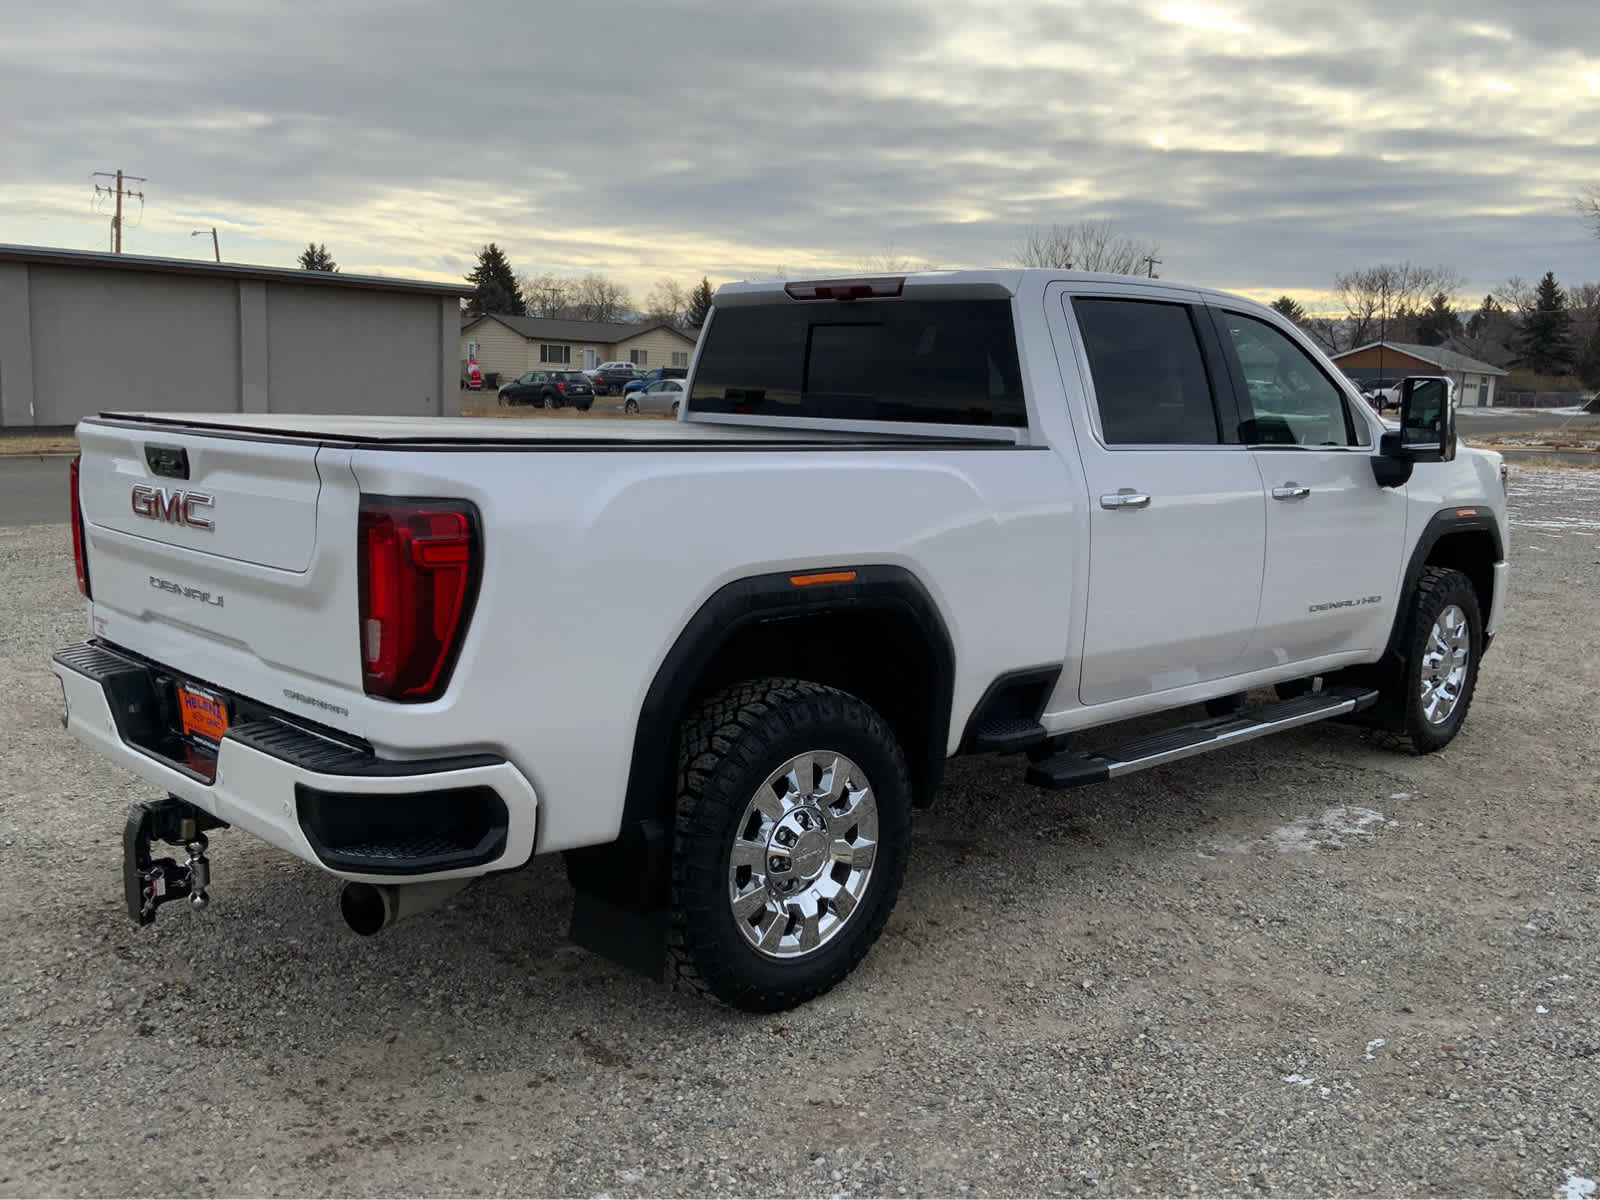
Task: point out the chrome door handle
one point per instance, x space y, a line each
1124 498
1290 491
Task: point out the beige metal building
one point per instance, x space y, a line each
508 345
84 332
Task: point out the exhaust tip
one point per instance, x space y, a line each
365 908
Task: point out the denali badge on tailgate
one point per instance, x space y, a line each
177 506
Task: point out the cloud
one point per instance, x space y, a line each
1263 144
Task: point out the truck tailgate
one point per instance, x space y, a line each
231 557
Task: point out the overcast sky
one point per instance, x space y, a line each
1264 144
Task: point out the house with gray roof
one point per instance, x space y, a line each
1475 380
508 346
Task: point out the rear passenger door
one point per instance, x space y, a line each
1177 517
1335 539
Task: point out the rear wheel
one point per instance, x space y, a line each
673 411
793 823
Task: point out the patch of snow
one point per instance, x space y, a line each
1400 796
1577 1187
632 1175
1374 1044
1308 835
1539 1008
1300 1080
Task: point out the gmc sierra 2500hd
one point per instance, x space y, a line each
718 662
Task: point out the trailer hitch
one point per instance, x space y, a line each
150 882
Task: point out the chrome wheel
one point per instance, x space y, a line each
1445 658
803 854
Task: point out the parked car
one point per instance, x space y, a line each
1382 393
610 378
662 396
549 389
652 376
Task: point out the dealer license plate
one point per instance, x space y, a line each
202 713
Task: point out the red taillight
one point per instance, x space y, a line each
845 289
560 387
418 571
80 549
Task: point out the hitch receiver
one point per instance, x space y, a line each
149 882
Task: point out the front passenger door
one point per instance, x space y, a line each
1334 537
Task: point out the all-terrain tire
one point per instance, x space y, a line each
730 749
1432 709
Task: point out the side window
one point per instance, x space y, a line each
1150 380
1292 402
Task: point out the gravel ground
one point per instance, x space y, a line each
1308 966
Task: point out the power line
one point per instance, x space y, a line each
118 192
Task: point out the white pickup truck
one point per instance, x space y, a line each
718 661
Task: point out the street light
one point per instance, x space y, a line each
213 232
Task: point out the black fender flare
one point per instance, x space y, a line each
644 837
1455 519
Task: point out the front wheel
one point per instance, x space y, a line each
1443 644
550 400
793 824
630 405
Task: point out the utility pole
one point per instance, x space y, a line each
214 249
119 193
1151 262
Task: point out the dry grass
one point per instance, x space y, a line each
38 443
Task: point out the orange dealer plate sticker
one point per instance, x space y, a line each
202 713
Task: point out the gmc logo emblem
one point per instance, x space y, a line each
177 507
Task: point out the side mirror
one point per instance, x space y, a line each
1427 420
1427 430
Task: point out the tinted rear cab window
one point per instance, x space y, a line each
943 361
1150 378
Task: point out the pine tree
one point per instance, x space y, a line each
317 258
1588 364
1438 323
494 285
1289 307
1484 320
699 304
1544 343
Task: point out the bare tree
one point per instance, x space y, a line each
890 261
668 301
1583 302
546 295
1384 301
1587 203
1517 295
1085 246
596 298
